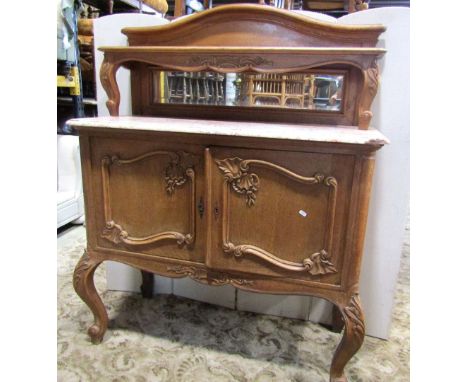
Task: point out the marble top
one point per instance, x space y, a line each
297 132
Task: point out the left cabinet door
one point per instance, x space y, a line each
145 196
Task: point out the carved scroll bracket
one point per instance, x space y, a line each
369 90
108 74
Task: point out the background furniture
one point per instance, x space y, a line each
335 8
109 7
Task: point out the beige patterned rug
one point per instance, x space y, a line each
169 338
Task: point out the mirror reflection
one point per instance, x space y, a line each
310 91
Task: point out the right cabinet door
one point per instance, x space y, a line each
278 213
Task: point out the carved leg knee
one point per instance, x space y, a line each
84 286
352 339
147 283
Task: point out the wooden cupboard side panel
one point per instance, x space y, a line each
279 213
87 172
145 195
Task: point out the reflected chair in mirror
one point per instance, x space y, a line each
180 89
280 90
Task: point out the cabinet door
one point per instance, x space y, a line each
278 213
145 196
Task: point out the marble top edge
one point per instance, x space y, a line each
305 49
272 130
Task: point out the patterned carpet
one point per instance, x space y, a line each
169 338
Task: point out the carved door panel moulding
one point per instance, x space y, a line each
178 171
238 178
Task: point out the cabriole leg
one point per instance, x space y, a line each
108 77
83 283
352 339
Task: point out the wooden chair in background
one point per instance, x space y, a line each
308 5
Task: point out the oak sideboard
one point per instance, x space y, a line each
248 159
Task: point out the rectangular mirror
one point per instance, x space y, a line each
305 91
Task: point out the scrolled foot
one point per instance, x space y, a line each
84 286
96 333
352 339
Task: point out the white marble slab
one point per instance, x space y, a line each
296 132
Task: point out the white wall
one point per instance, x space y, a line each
389 202
390 195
